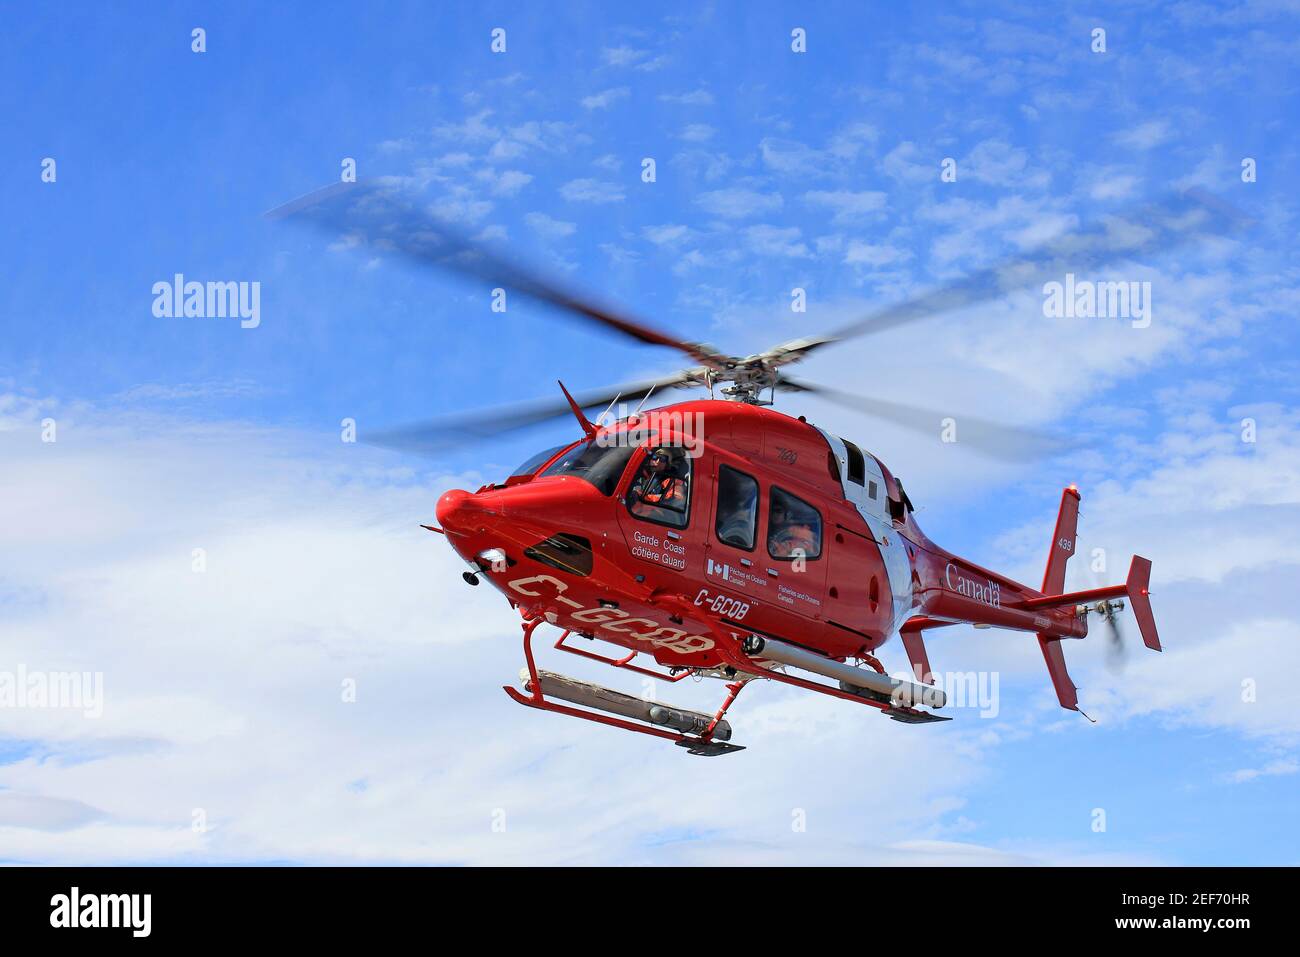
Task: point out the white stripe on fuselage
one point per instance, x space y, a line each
898 566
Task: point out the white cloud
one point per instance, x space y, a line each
696 132
700 97
790 156
1144 136
591 191
905 163
606 99
180 391
507 182
472 129
847 205
547 136
1113 183
738 202
776 241
874 255
709 166
462 205
549 228
998 163
1279 768
630 57
505 149
622 55
668 234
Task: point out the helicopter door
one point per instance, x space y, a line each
657 507
748 584
732 565
795 556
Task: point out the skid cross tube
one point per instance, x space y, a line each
618 662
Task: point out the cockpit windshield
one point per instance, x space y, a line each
534 462
601 464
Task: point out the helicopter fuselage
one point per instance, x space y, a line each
688 586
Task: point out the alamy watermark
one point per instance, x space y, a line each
210 300
1084 299
684 429
67 690
957 689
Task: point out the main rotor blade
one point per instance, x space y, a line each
1154 227
389 218
992 439
438 434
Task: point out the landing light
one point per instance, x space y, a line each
493 557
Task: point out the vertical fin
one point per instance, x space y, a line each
1066 692
1067 523
1063 540
915 647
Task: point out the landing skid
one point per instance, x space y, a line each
707 734
699 733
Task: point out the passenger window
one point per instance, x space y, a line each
737 518
794 528
857 463
661 490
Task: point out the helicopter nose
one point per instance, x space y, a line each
460 512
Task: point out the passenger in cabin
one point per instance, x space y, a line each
793 529
738 509
793 541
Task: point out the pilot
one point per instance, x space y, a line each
660 484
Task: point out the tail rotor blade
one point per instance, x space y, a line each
1116 653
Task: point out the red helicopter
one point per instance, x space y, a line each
720 537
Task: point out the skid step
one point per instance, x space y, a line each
596 696
912 716
708 749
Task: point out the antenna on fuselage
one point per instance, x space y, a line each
644 401
600 419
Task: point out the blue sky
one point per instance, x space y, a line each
775 170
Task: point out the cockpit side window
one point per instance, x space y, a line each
661 490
